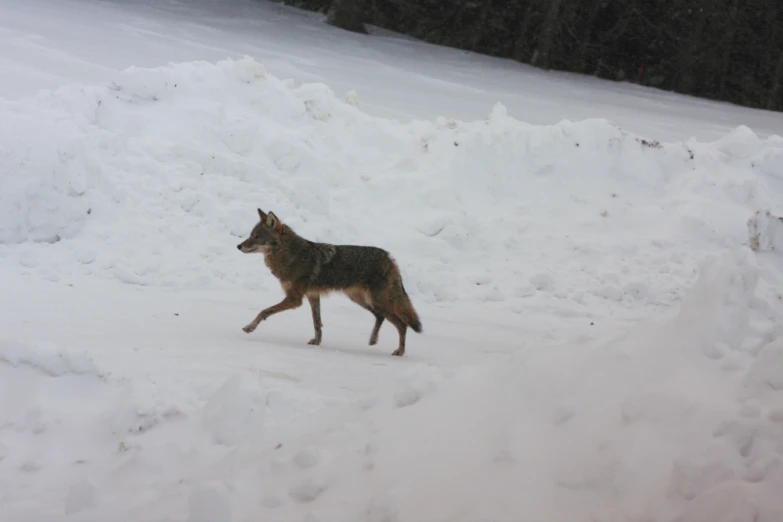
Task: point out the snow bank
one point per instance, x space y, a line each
154 178
669 420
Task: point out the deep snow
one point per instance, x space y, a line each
602 334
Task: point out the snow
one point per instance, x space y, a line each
765 232
80 496
599 281
394 77
90 176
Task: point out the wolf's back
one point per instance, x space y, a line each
372 269
350 265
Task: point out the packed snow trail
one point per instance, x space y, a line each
129 391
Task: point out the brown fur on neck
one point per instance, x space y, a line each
282 260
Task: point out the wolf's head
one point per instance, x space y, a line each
265 235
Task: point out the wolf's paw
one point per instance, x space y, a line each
249 328
314 341
399 352
373 341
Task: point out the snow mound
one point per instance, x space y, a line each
154 178
648 426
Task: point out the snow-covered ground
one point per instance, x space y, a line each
602 324
47 43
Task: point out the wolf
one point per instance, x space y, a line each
368 275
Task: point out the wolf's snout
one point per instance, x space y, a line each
239 246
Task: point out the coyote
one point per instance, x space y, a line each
367 275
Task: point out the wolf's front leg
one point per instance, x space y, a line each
292 300
251 326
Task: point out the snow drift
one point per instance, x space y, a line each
153 178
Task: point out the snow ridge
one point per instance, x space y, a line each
153 178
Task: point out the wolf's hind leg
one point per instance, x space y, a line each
315 306
401 329
361 300
377 327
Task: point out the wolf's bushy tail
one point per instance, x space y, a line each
408 313
411 318
403 307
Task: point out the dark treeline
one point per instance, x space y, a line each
729 50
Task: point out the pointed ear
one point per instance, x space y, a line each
261 214
272 221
